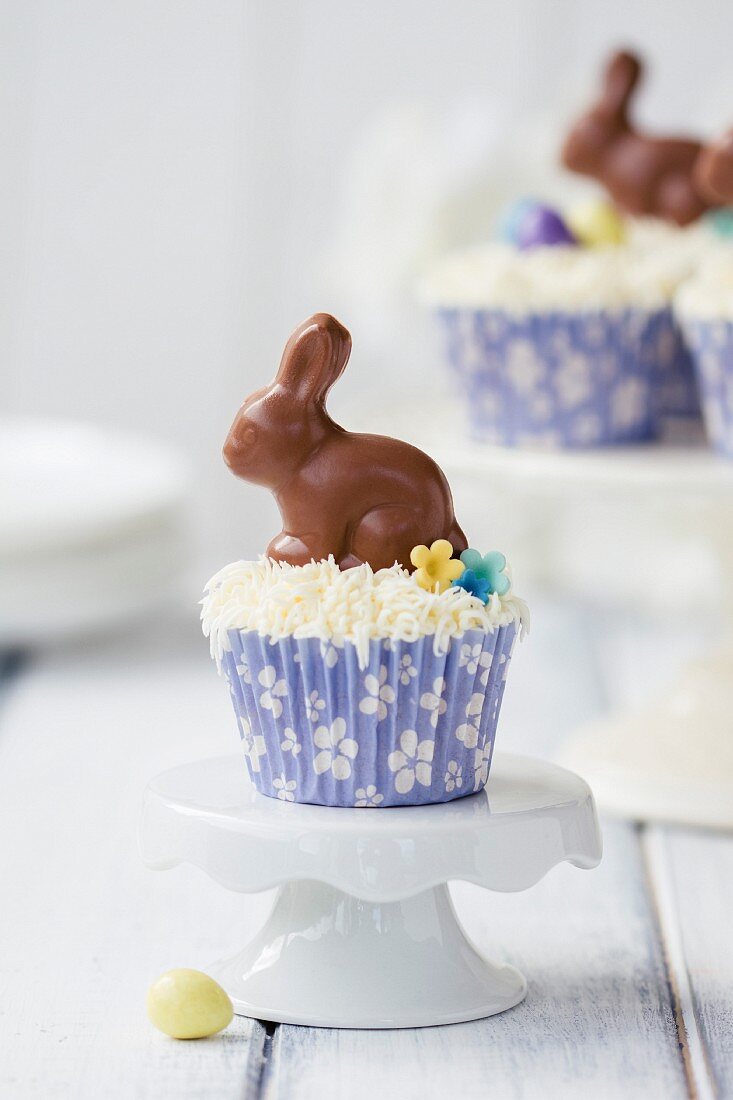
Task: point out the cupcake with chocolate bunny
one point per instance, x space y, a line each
367 650
562 333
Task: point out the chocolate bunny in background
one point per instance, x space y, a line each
362 498
643 175
714 170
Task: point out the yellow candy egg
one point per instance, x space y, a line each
597 223
187 1004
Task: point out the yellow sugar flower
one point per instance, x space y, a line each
435 567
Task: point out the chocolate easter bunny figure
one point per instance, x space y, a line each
362 498
643 175
714 170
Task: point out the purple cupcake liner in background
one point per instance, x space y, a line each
677 394
412 727
556 379
711 345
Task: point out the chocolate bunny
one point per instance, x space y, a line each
643 175
714 170
362 498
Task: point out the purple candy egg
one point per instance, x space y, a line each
541 227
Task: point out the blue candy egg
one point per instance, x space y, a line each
511 217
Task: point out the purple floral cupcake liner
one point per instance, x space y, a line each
412 727
557 379
711 345
677 394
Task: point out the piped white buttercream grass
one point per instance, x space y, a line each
497 276
319 600
709 295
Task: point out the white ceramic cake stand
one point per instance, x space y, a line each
363 932
671 760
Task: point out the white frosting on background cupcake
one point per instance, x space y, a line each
556 278
709 295
320 600
667 255
645 272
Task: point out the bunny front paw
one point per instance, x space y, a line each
295 550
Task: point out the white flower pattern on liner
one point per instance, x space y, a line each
573 381
275 689
253 744
412 761
381 694
284 788
587 428
290 742
453 776
244 673
474 657
314 704
433 701
468 731
329 653
481 760
368 796
337 750
628 403
407 669
523 367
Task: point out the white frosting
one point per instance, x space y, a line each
667 254
646 271
542 279
709 295
354 605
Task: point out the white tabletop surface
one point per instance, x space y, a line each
629 966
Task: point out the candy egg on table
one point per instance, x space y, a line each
187 1004
542 226
597 223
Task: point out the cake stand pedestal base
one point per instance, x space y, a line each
363 932
328 959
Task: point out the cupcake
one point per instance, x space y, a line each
367 651
666 256
553 344
704 307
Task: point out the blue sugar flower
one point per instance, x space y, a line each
489 567
473 584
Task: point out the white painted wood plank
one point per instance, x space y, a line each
598 1020
691 872
85 927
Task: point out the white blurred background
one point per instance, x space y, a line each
183 181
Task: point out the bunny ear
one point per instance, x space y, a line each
714 170
621 77
314 357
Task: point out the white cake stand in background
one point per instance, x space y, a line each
671 760
363 932
92 527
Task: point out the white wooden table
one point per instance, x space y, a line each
630 967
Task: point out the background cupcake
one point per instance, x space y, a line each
704 307
552 345
666 256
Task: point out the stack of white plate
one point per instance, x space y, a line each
92 528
